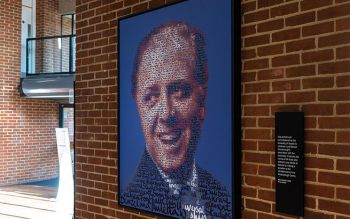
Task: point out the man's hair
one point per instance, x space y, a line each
172 31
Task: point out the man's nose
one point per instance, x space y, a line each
166 110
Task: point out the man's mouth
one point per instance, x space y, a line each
170 137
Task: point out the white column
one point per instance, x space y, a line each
65 194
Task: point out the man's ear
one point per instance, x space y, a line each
202 113
201 100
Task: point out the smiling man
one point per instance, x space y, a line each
170 89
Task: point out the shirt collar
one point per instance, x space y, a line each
174 186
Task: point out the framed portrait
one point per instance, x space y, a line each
179 110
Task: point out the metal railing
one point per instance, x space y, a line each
50 55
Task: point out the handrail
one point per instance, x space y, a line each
50 57
50 37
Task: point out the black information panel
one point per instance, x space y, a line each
289 141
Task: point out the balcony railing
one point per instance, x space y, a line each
50 55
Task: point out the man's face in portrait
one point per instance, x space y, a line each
169 100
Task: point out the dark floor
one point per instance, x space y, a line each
49 183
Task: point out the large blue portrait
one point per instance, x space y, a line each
176 118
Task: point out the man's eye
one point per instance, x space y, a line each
150 98
181 91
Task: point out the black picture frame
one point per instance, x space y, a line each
126 150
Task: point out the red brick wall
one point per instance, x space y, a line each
295 57
47 18
289 63
27 135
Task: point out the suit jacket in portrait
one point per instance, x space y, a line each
149 191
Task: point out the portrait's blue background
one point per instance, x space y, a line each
214 152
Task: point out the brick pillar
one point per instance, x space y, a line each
27 128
